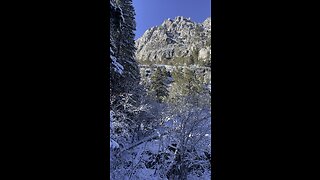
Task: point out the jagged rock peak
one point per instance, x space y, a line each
208 19
207 23
181 18
175 39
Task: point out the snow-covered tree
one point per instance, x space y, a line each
124 81
122 32
191 125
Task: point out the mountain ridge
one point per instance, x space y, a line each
176 41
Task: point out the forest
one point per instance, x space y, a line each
160 125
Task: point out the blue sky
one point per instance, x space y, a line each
153 12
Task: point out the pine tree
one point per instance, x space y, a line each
158 84
192 84
124 71
116 66
126 46
186 84
125 74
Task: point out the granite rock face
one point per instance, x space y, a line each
175 38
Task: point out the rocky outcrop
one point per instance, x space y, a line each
175 39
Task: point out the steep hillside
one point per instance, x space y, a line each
176 42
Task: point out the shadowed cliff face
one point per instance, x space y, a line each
176 39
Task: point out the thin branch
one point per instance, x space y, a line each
145 140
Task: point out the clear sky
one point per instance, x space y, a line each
153 12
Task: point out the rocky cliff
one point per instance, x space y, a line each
176 41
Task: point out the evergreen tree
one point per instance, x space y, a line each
186 84
124 70
158 84
116 66
191 83
126 46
